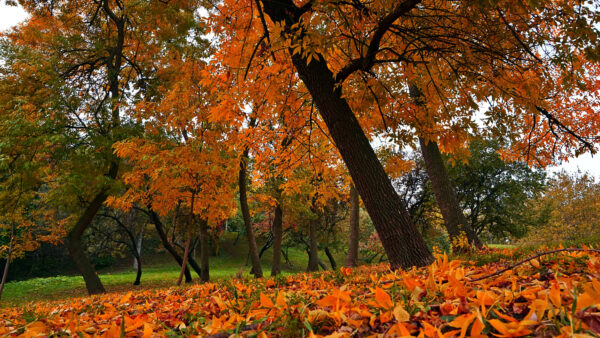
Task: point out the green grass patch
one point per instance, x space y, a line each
159 270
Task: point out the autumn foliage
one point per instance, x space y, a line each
554 295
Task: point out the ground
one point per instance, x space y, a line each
555 294
159 270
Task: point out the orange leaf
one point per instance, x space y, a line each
265 301
383 299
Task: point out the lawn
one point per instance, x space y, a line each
159 270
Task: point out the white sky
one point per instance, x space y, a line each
10 16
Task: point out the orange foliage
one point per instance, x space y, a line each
561 298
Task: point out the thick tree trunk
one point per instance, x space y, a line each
331 258
204 251
313 249
165 241
277 238
400 238
92 281
352 257
454 219
252 248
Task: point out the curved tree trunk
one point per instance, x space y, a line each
267 245
401 240
454 219
92 281
277 238
252 248
204 251
165 241
331 258
8 257
352 257
313 249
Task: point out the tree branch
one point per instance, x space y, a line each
366 62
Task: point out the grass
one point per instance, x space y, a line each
159 270
501 246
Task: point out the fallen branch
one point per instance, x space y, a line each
241 329
499 272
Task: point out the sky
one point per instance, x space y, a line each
10 16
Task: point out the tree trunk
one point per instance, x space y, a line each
138 247
138 276
204 251
8 257
454 219
331 259
252 248
277 238
313 249
92 281
400 238
267 244
165 241
188 240
352 257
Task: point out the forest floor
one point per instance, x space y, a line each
478 294
159 271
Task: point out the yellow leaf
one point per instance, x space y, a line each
280 300
400 314
535 263
555 295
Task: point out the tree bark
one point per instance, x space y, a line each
277 238
331 258
252 248
138 275
267 244
188 240
352 257
204 252
454 219
8 257
313 249
401 239
138 247
92 281
165 241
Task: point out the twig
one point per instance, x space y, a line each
499 272
530 259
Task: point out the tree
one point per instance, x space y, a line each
91 63
185 161
568 210
242 186
354 226
492 191
460 54
446 198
